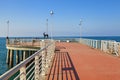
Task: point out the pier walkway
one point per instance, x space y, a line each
74 61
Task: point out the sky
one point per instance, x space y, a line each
27 18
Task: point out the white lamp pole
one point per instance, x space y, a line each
47 26
8 28
80 29
51 13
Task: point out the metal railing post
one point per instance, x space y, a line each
115 48
23 73
43 59
101 45
37 67
43 63
119 49
90 43
96 44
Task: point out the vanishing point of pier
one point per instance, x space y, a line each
74 59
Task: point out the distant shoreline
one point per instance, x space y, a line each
116 38
59 36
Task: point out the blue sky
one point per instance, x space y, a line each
28 17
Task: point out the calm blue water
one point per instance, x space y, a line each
116 38
3 50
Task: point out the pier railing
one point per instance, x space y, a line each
35 66
23 42
108 46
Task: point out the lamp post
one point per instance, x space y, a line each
7 28
47 26
7 38
80 29
51 13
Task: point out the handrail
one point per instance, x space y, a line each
16 68
108 46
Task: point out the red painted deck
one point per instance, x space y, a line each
75 61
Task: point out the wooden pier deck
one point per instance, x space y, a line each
74 61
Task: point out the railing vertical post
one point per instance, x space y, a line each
50 53
23 73
96 44
106 43
24 55
53 47
110 47
43 59
21 56
93 44
47 52
30 53
17 56
90 43
37 75
104 46
119 49
101 45
116 48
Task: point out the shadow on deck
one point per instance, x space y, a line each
62 67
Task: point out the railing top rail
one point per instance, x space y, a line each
61 39
97 39
17 67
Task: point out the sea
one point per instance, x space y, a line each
3 50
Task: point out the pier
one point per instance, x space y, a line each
75 61
21 48
71 59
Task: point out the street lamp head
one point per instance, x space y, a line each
51 12
80 19
8 22
80 22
